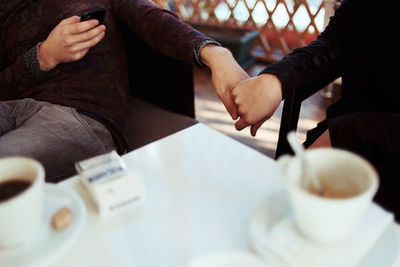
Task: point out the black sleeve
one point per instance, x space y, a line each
310 68
24 73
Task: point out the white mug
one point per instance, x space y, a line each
21 215
349 183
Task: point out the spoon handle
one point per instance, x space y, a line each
308 172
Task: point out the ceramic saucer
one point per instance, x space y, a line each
276 208
49 243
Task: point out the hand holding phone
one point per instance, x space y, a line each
94 13
58 48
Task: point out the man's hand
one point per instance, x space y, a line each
69 41
226 74
256 99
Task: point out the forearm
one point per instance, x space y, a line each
226 73
160 29
304 72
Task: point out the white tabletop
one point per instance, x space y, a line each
202 189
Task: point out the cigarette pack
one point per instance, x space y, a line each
110 184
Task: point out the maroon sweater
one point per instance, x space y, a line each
98 83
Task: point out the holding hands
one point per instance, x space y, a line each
256 100
251 100
226 73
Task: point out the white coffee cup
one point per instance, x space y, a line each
21 215
349 183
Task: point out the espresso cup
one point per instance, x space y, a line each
21 200
349 183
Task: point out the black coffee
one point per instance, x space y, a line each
13 187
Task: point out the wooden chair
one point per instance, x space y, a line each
162 94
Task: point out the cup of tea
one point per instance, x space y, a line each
349 183
21 200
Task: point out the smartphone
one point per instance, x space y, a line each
94 13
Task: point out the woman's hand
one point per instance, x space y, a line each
256 99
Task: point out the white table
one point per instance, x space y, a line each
202 189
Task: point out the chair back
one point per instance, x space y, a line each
159 79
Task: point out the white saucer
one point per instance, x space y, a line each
228 259
49 243
277 208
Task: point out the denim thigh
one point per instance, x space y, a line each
55 135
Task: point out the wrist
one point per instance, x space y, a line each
272 81
211 54
45 60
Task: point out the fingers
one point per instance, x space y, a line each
70 20
92 33
254 128
92 41
241 124
84 52
78 55
87 39
230 106
73 25
81 27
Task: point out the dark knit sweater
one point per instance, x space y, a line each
358 44
98 83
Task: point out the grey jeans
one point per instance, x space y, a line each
55 135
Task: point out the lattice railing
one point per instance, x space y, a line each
283 24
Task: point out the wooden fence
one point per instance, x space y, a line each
282 24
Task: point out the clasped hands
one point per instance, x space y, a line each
249 101
256 100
